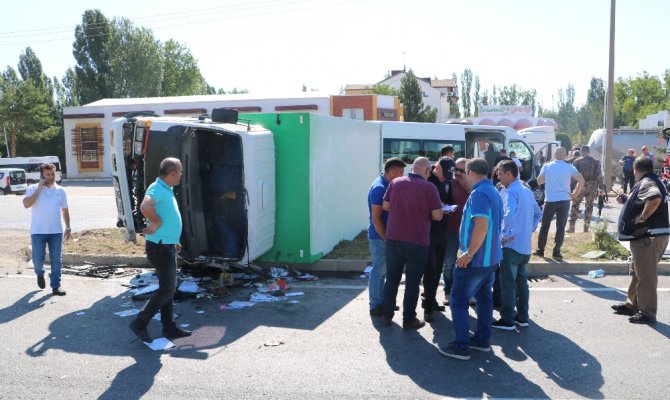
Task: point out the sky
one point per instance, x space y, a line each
273 47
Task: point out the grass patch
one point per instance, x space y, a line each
103 241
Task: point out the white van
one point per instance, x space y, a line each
227 193
12 180
31 166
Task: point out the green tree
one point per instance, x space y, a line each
93 71
181 75
466 85
382 89
477 97
453 107
412 98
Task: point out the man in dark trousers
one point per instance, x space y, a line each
412 203
162 245
644 222
590 169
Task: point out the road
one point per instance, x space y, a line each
330 348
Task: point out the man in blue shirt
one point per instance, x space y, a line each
556 176
517 230
160 208
481 252
393 168
628 175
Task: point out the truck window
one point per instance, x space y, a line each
405 149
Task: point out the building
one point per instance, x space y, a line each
660 120
516 117
437 93
87 127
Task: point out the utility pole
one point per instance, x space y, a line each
609 111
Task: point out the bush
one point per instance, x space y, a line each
605 241
565 141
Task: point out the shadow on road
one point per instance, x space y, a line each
596 289
99 332
22 306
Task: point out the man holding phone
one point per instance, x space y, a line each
48 201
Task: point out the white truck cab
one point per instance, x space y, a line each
227 192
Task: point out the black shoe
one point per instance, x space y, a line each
522 324
621 309
396 308
377 311
557 256
428 316
640 318
437 307
500 324
141 333
58 292
40 282
176 332
539 253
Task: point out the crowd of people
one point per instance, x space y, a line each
451 219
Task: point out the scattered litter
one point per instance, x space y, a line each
160 344
145 290
273 343
258 297
189 287
98 271
127 313
144 279
279 272
594 254
80 313
184 325
306 277
127 304
291 294
294 302
199 312
596 273
236 305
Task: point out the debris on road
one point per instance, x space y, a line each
596 273
160 344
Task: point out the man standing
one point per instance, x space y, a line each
590 170
646 153
517 230
48 201
437 248
458 193
393 168
447 162
644 222
481 252
628 175
160 208
412 203
556 176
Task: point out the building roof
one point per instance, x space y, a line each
199 98
443 83
358 86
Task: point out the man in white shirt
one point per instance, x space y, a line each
48 201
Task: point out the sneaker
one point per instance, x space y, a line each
478 345
557 255
141 333
454 351
58 292
415 324
500 324
176 332
622 309
428 316
519 323
640 318
377 311
40 282
539 253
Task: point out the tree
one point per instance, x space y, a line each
453 107
181 75
91 52
476 100
411 97
466 84
382 89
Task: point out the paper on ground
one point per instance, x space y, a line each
127 313
160 344
189 287
145 290
236 305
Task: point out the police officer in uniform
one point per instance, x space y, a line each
590 169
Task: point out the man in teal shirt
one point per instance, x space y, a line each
162 234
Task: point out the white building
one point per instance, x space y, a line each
87 145
515 117
660 120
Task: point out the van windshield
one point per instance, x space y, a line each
17 175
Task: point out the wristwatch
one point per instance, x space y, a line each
467 254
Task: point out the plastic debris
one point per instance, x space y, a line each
258 297
127 313
80 313
596 273
145 279
273 343
160 344
279 272
145 290
199 312
237 305
189 287
290 294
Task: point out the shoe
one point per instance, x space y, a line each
428 316
416 324
500 324
522 324
455 352
437 307
557 255
385 321
396 308
586 228
479 346
377 311
621 309
58 292
640 318
141 333
176 332
571 229
539 253
40 282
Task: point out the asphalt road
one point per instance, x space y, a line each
330 348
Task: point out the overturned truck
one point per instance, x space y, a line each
227 193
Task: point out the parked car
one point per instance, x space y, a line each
12 180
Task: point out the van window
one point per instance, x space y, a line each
432 148
405 149
517 146
17 175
